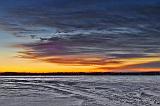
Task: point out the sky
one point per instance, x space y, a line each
79 36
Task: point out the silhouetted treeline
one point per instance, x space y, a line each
79 73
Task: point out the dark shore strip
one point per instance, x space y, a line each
77 73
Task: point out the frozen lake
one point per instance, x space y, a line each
80 91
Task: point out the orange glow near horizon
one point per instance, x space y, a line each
14 64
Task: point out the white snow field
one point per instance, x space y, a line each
80 91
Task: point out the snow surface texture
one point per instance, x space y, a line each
80 91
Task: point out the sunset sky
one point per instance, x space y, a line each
79 35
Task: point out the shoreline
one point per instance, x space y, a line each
78 73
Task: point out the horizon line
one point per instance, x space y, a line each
79 73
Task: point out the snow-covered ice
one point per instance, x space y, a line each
80 91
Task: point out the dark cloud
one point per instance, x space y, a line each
147 65
80 14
